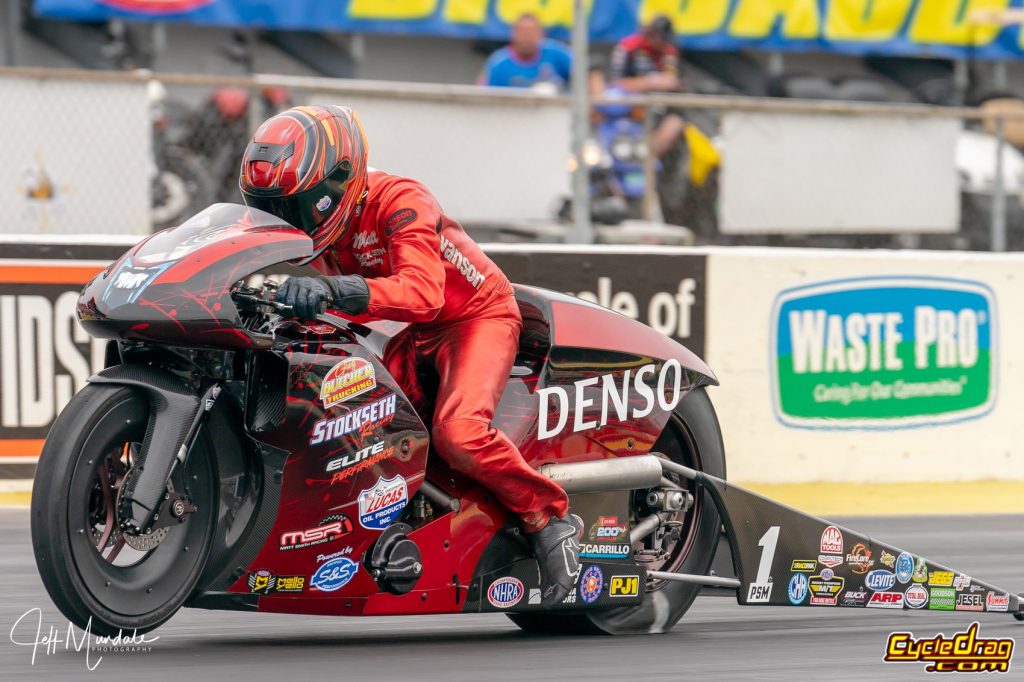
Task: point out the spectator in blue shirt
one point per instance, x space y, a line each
528 59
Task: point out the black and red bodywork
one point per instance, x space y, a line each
291 504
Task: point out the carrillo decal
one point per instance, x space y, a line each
883 352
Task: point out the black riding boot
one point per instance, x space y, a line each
557 548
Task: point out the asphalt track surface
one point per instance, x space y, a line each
716 640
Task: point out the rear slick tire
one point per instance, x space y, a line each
90 590
692 438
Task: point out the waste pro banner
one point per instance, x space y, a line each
948 28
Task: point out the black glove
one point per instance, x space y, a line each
308 296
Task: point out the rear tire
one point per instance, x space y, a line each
692 438
89 589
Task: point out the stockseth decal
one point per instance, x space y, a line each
381 504
591 584
557 405
505 592
331 528
347 379
377 413
883 352
334 575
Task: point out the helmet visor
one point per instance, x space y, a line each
306 210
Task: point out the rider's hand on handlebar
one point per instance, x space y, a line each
307 296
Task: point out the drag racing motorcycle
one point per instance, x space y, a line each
233 457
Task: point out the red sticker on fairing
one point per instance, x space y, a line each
156 6
399 219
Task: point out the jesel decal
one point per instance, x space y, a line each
558 404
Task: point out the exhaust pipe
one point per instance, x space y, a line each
617 473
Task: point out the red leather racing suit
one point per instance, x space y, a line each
421 267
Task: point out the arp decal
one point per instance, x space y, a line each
331 528
883 352
381 504
886 600
559 405
347 379
505 592
378 413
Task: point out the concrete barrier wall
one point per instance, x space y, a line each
843 366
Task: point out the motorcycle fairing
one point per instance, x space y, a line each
174 287
784 557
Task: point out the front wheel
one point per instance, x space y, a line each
691 438
95 574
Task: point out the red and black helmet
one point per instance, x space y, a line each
307 166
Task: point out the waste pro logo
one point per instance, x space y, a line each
883 353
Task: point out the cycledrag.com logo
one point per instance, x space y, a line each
42 641
964 652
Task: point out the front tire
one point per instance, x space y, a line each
79 552
692 438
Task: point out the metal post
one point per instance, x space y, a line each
999 191
650 167
581 231
13 29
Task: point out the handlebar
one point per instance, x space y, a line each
264 298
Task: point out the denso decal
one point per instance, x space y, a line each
880 580
797 590
345 380
557 405
591 584
505 592
377 413
886 600
331 528
916 596
883 352
904 567
832 541
334 575
381 504
597 551
465 266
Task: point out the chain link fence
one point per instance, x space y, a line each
131 153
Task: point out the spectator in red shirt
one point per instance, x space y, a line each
648 61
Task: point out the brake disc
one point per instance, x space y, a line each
147 542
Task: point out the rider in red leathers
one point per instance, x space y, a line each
386 250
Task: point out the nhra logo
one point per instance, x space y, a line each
831 541
347 379
156 6
505 592
381 504
334 575
331 528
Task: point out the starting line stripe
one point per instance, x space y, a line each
897 499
